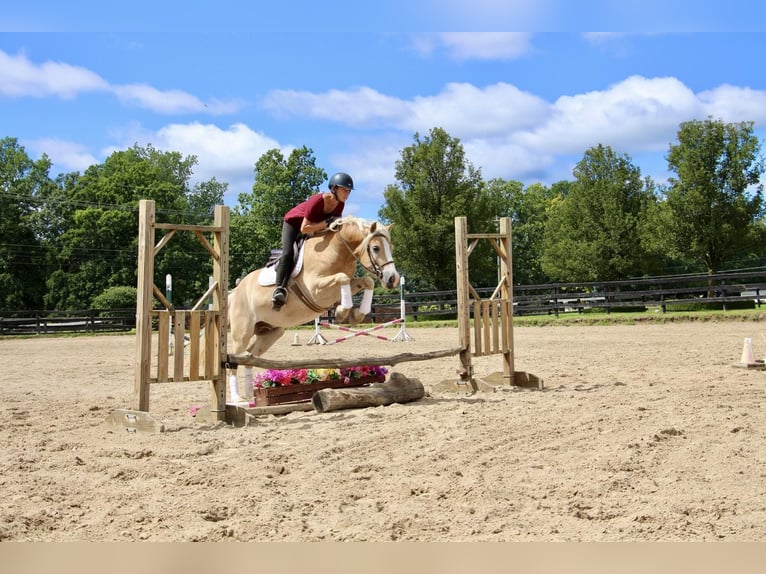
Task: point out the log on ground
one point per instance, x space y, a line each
397 389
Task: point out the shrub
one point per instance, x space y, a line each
115 298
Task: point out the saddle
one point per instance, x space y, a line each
268 275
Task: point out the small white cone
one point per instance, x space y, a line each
747 352
296 341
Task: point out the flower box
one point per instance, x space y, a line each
303 392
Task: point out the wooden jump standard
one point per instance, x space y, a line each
492 317
204 360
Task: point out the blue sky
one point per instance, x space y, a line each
228 80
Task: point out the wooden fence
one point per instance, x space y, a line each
79 321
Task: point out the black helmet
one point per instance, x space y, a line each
341 179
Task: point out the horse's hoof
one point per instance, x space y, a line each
341 314
356 317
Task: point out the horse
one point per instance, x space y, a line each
326 276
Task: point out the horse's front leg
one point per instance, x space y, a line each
357 284
348 287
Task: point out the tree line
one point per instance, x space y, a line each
70 241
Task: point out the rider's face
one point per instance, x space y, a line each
342 193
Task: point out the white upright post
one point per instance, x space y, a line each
169 297
318 338
402 335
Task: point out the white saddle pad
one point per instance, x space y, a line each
268 275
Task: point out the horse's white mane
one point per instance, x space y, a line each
358 221
358 227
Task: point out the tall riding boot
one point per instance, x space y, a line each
279 296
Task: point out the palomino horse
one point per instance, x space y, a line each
327 277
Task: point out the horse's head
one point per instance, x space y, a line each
372 249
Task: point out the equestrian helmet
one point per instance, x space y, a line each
341 179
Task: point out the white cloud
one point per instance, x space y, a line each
170 101
517 135
19 78
357 107
463 46
486 45
734 104
226 154
471 111
637 114
459 107
72 156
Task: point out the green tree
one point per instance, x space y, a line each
716 199
528 209
592 233
256 222
95 239
23 259
436 184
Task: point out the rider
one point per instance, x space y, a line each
311 216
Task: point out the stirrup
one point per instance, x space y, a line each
279 297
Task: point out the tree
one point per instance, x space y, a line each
96 241
22 251
716 199
256 222
528 209
436 184
593 231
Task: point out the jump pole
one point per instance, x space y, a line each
401 336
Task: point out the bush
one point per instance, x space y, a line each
116 298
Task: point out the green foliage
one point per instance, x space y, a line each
528 209
115 298
22 253
256 222
593 231
436 184
93 239
716 199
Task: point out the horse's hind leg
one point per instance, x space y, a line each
263 339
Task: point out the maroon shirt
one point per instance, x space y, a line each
313 210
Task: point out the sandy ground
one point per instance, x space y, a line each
642 433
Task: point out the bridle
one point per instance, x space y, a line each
365 246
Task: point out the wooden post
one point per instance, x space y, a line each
463 309
506 296
220 308
146 216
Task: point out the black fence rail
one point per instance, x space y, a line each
80 321
739 289
726 291
722 290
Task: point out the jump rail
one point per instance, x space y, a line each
248 360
